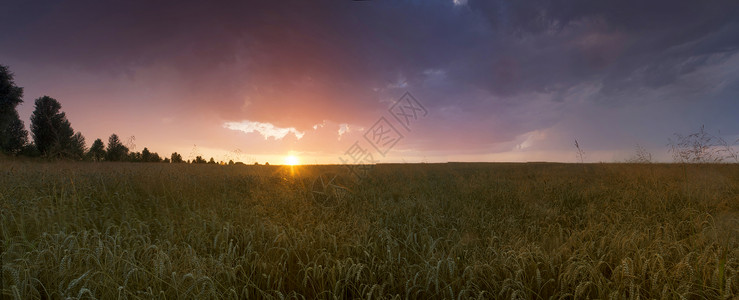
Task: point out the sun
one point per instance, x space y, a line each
292 160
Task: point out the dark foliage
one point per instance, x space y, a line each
97 151
52 132
13 135
116 151
176 158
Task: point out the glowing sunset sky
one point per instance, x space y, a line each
500 80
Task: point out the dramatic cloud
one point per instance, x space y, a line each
498 77
265 129
343 128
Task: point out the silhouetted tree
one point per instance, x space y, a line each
198 160
116 151
97 150
134 156
30 150
77 145
230 162
13 135
166 160
145 155
52 132
211 161
176 158
155 157
46 122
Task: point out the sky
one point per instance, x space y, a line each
385 81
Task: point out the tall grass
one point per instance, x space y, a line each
531 231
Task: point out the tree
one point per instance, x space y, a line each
198 160
29 150
115 151
77 145
97 150
13 135
155 157
134 156
212 161
176 157
145 155
52 132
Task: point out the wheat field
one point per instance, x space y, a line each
419 231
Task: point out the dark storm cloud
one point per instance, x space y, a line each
502 64
283 50
654 40
503 46
341 40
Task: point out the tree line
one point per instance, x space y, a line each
52 135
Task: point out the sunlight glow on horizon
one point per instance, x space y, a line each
292 160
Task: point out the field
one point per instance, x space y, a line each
531 231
